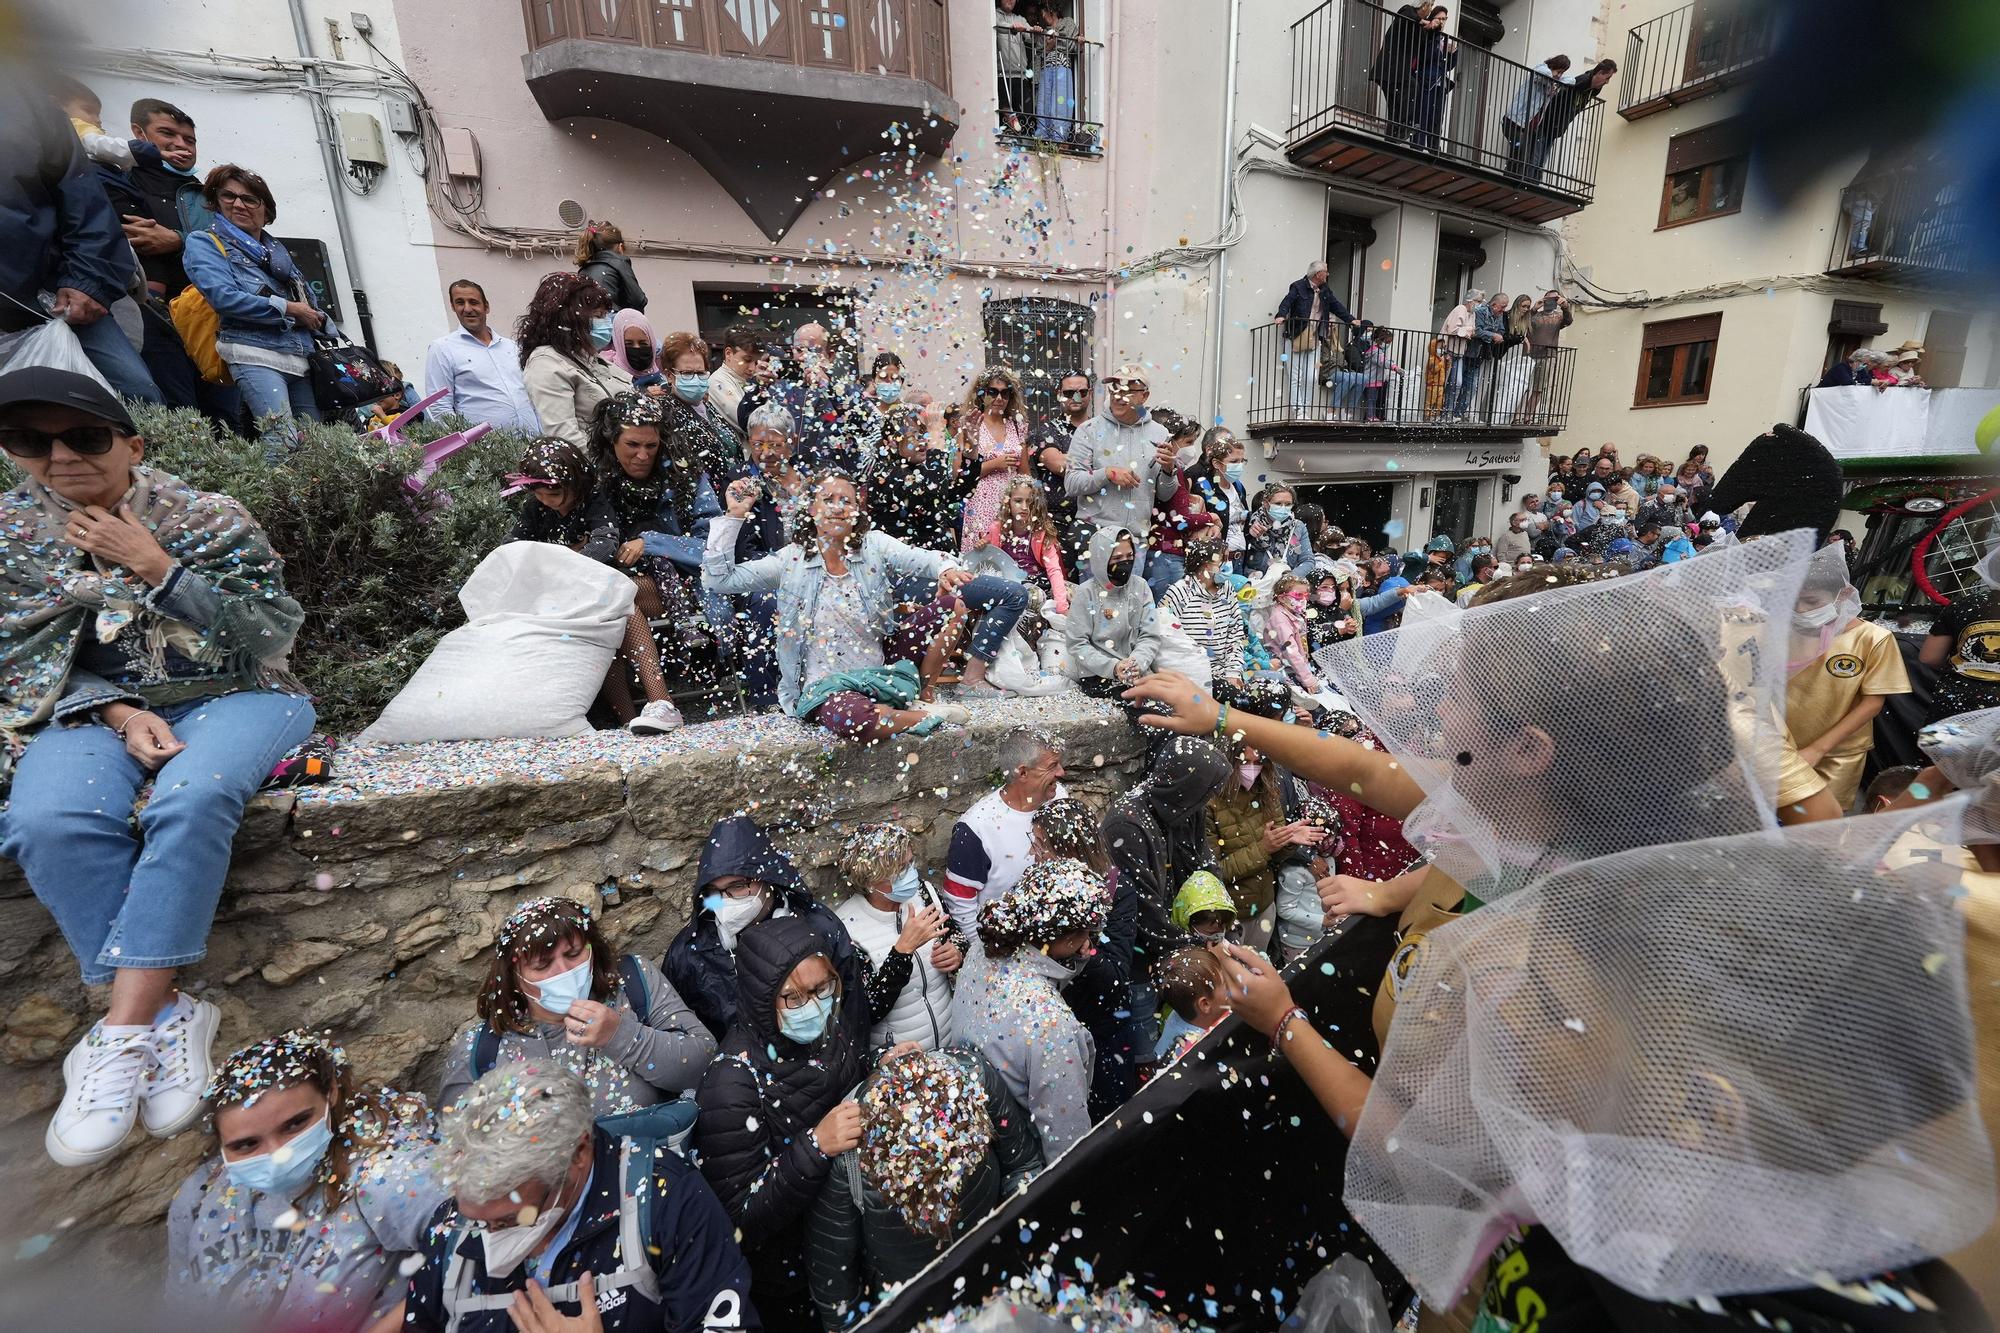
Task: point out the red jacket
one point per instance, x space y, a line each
1048 555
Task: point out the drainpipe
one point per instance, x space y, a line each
1109 228
1218 295
323 124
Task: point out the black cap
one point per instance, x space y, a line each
65 388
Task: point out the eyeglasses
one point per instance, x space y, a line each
826 990
236 197
749 888
27 442
1071 393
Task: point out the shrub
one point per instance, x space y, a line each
378 575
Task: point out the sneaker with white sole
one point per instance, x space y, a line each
955 714
656 719
170 1097
100 1103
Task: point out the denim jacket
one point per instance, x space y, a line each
245 296
797 576
1488 322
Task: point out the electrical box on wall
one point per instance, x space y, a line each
461 152
361 140
402 115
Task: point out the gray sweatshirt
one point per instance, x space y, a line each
1012 1009
646 1061
1099 445
1106 625
332 1269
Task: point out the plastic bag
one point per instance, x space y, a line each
1178 652
1017 669
53 344
1343 1297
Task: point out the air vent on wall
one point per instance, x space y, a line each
571 213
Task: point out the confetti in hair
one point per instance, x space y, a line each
1052 899
279 1062
873 853
927 1133
543 921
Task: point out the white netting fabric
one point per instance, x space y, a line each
1828 604
1582 720
1733 1065
1966 750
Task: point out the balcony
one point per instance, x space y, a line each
1365 113
1286 394
771 97
1899 426
1050 91
1903 226
1691 53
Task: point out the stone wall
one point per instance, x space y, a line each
369 906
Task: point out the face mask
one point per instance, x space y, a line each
557 993
691 388
639 358
906 885
283 1179
600 332
1118 571
733 916
507 1248
189 172
1234 471
1247 774
1072 966
1326 596
1295 600
1817 618
1522 569
806 1026
1211 936
888 391
1281 513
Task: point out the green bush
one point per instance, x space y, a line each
378 575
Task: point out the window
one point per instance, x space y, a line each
778 311
1943 362
1347 241
1042 339
1705 171
1676 361
1458 258
1852 325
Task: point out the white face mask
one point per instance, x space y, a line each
733 916
507 1248
1817 618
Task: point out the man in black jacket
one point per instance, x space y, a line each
167 188
742 880
1308 312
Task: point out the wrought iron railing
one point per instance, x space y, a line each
1361 69
1421 384
1906 223
903 38
1050 88
1692 52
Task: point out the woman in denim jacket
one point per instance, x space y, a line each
267 320
836 606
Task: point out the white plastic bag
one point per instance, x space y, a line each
51 343
1056 660
542 626
1178 652
1343 1297
1017 669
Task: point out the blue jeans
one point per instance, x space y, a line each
117 359
1347 386
760 650
1000 603
120 904
1163 571
913 588
274 394
1458 391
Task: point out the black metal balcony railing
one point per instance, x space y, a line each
1050 89
896 38
1360 71
1693 52
1424 386
1904 224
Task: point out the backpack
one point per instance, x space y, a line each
632 982
1356 352
197 323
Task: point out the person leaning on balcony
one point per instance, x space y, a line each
1010 49
1467 350
1536 88
1490 331
1308 312
600 256
1564 105
568 322
1545 326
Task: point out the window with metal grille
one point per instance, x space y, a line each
1042 339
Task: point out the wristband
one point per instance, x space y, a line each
1285 1021
1222 722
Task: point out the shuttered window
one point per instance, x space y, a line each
1677 361
1705 173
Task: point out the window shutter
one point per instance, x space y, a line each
1693 329
1859 319
1711 143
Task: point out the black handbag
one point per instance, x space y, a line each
345 375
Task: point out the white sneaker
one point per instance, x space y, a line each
100 1104
954 714
655 719
170 1098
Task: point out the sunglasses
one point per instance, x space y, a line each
1071 393
27 442
1125 388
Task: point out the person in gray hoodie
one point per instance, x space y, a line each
1112 631
1119 463
316 1195
557 995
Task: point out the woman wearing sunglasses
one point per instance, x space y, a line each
994 443
144 627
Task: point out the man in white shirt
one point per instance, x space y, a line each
741 345
479 369
989 844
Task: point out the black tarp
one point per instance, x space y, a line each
1216 1189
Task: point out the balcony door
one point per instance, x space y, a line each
1347 240
760 29
1459 257
1943 362
1456 513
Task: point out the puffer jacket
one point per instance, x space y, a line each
762 1097
613 272
909 999
1240 817
857 1244
1157 835
1106 625
698 967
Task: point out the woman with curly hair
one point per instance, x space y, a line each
317 1192
557 995
566 325
1033 940
993 439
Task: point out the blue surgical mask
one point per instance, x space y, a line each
808 1024
888 391
284 1171
906 885
1234 470
600 332
691 388
1281 513
557 993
